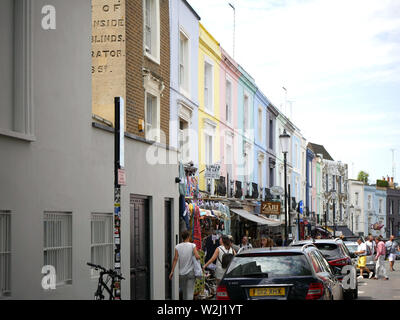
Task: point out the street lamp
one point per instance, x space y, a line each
284 140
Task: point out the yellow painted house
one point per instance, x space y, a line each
209 100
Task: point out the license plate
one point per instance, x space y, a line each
264 292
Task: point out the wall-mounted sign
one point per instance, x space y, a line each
121 177
212 171
277 191
270 208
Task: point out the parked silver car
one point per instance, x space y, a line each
352 246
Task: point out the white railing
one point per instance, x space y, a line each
58 244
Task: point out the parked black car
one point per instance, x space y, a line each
284 273
338 256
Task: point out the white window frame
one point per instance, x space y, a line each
185 62
5 253
209 136
209 107
53 251
246 113
260 125
229 155
152 87
228 104
102 241
185 113
152 53
22 126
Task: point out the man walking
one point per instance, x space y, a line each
391 248
380 258
371 244
245 245
362 260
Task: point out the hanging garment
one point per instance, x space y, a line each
186 216
197 228
211 243
182 183
228 220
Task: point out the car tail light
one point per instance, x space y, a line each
315 291
340 262
222 293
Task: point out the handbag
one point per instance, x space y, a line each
198 271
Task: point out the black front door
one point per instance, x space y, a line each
168 247
140 248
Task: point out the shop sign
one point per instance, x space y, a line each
271 208
213 171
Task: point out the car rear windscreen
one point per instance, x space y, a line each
352 247
329 250
269 266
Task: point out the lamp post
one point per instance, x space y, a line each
284 140
334 209
352 218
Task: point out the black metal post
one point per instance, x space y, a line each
326 216
289 206
117 199
298 223
286 207
334 222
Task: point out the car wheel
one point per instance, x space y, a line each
355 294
348 295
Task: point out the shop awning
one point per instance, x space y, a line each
258 219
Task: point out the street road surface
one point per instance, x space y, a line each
370 289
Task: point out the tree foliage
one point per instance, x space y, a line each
363 176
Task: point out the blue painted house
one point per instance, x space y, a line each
184 100
260 141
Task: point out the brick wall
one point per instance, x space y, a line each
136 60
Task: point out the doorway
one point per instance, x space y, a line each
140 247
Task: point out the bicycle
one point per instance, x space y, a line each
103 285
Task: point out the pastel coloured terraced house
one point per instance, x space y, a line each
209 105
229 81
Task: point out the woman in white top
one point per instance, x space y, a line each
225 247
184 253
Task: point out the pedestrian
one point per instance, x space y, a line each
371 244
266 242
184 253
279 240
362 260
245 245
225 248
380 258
391 248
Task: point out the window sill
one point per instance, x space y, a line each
17 135
152 58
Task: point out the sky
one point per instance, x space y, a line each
339 61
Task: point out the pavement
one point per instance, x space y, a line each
370 289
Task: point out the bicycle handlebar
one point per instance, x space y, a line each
110 272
